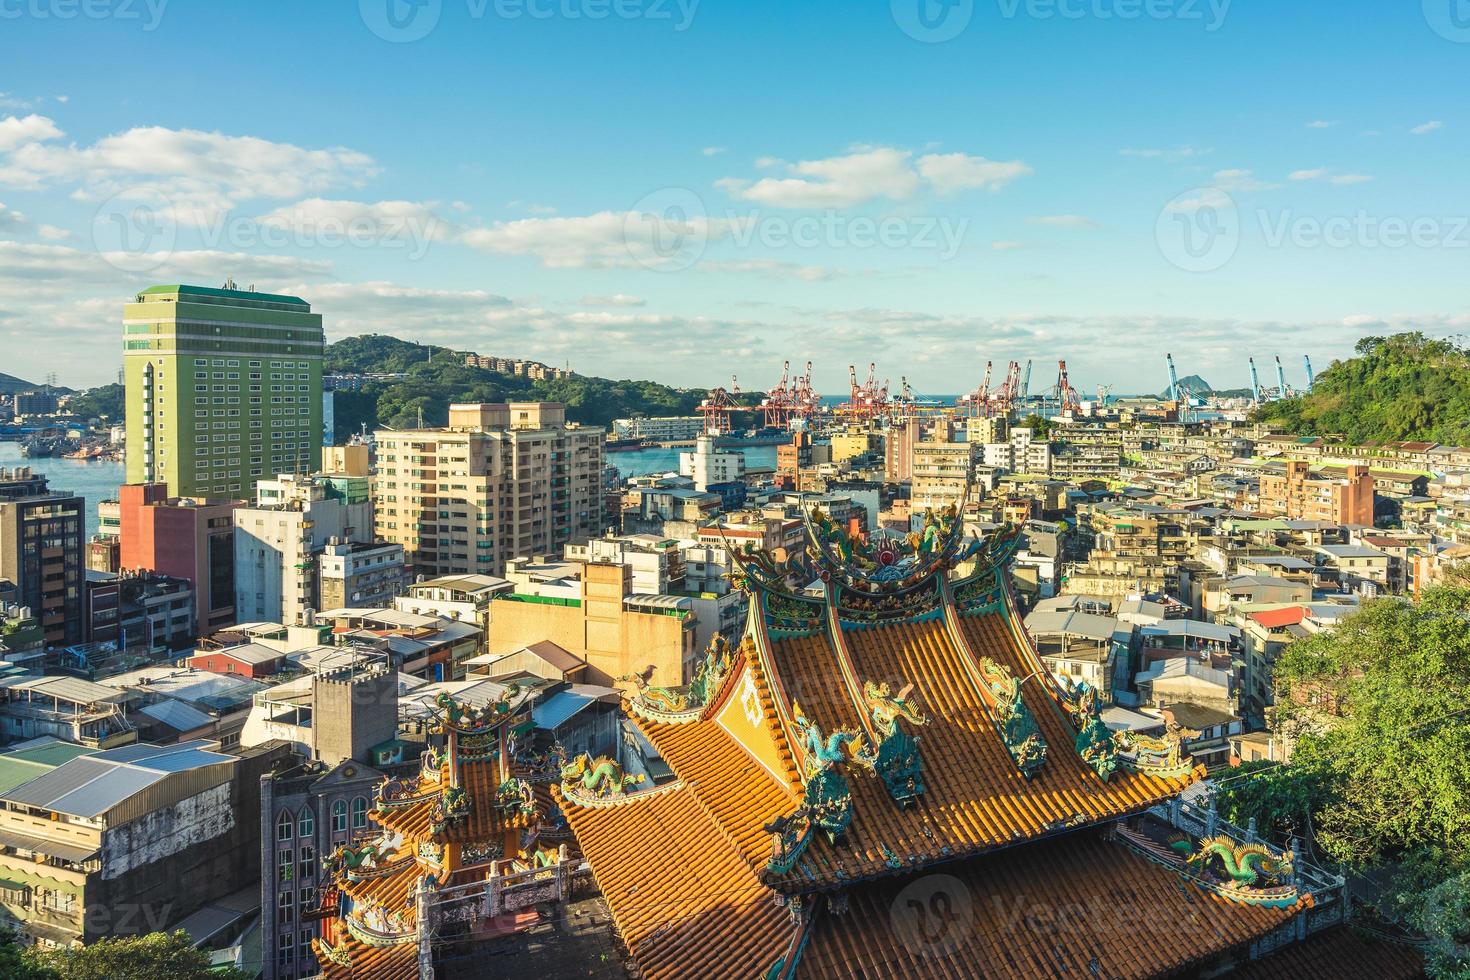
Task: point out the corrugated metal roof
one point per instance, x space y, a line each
177 715
70 689
558 709
41 845
91 785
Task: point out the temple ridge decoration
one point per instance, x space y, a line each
1158 755
897 761
826 802
1017 726
1253 873
595 782
686 704
1096 743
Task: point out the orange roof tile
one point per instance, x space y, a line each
1337 954
976 799
1074 906
685 901
398 962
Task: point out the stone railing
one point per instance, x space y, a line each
1329 891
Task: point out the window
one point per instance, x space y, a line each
339 817
285 905
359 813
308 862
306 825
283 827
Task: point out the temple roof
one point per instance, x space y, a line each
1075 906
686 901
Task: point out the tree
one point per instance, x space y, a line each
18 963
155 956
1380 707
1403 387
1279 798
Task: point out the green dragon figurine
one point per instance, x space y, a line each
1018 727
514 798
1245 864
897 761
828 797
1095 742
597 779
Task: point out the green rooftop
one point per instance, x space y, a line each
245 294
25 762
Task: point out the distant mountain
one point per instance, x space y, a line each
1197 387
1406 387
9 385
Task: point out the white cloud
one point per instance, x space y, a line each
1341 180
616 299
951 172
16 131
1241 180
199 173
1321 124
1064 221
20 261
713 151
870 173
525 206
1434 125
1208 198
608 239
52 233
1176 154
9 101
389 224
10 218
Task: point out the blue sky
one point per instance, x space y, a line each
685 191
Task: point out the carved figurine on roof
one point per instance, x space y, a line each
1095 743
1014 721
684 703
826 803
897 761
464 717
1160 755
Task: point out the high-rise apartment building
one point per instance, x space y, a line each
41 552
497 482
224 386
187 537
279 542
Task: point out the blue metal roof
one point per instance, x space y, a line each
558 709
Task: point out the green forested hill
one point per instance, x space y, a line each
438 377
1404 387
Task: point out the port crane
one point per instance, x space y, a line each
718 408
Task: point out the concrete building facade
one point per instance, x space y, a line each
499 481
224 386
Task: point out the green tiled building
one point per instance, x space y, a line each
224 387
